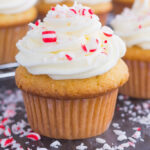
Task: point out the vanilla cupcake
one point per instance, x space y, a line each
15 16
100 7
70 72
119 5
133 25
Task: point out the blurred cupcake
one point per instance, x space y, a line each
15 16
70 73
119 5
100 7
44 6
133 25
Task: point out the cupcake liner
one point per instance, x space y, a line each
138 85
103 18
119 6
8 38
70 119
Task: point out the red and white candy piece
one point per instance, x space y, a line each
68 57
107 31
7 142
7 132
37 22
33 136
5 121
73 10
2 127
90 11
84 48
49 36
92 50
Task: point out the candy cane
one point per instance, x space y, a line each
33 136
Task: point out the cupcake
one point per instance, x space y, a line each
14 16
70 71
119 5
133 25
100 7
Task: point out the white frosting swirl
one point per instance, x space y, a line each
83 48
133 25
15 6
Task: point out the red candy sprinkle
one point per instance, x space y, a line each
53 8
138 129
107 34
84 48
49 36
37 23
92 50
34 136
140 26
107 31
83 12
68 57
73 10
105 41
7 142
97 41
90 11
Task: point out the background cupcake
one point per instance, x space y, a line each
14 16
133 25
45 5
70 73
100 7
119 5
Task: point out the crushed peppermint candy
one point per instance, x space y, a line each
55 144
108 32
9 129
81 147
68 57
33 136
49 36
100 140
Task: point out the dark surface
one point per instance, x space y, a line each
109 136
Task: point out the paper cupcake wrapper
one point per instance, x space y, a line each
70 119
138 85
119 6
8 38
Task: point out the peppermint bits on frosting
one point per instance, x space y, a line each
49 36
107 31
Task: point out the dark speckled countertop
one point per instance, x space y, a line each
127 115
